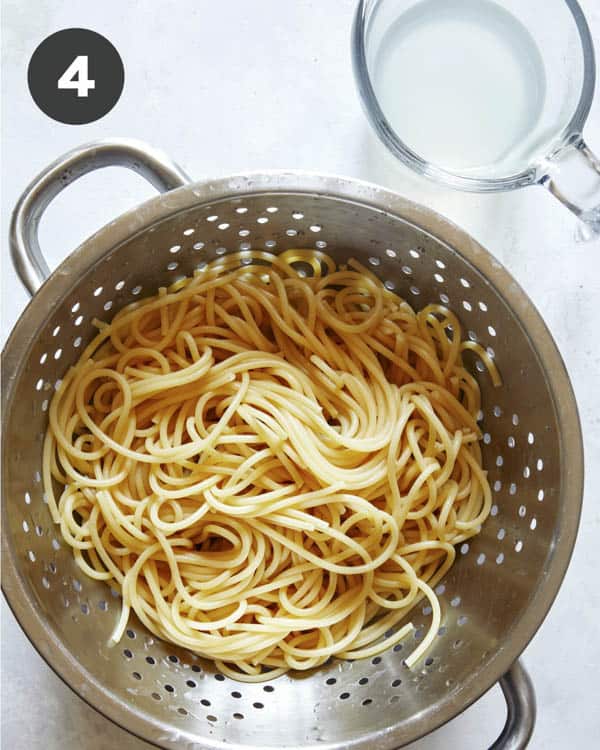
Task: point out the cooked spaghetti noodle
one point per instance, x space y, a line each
271 466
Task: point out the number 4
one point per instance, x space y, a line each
76 77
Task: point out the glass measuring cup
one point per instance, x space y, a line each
483 95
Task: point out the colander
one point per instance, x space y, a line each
504 580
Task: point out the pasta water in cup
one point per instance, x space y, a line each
483 95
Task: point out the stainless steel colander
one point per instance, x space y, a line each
504 580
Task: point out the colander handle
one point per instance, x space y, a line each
520 714
26 253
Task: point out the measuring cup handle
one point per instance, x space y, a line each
520 704
26 253
584 164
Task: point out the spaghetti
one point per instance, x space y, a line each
272 461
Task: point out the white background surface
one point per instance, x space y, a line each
236 85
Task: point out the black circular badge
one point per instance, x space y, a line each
75 76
